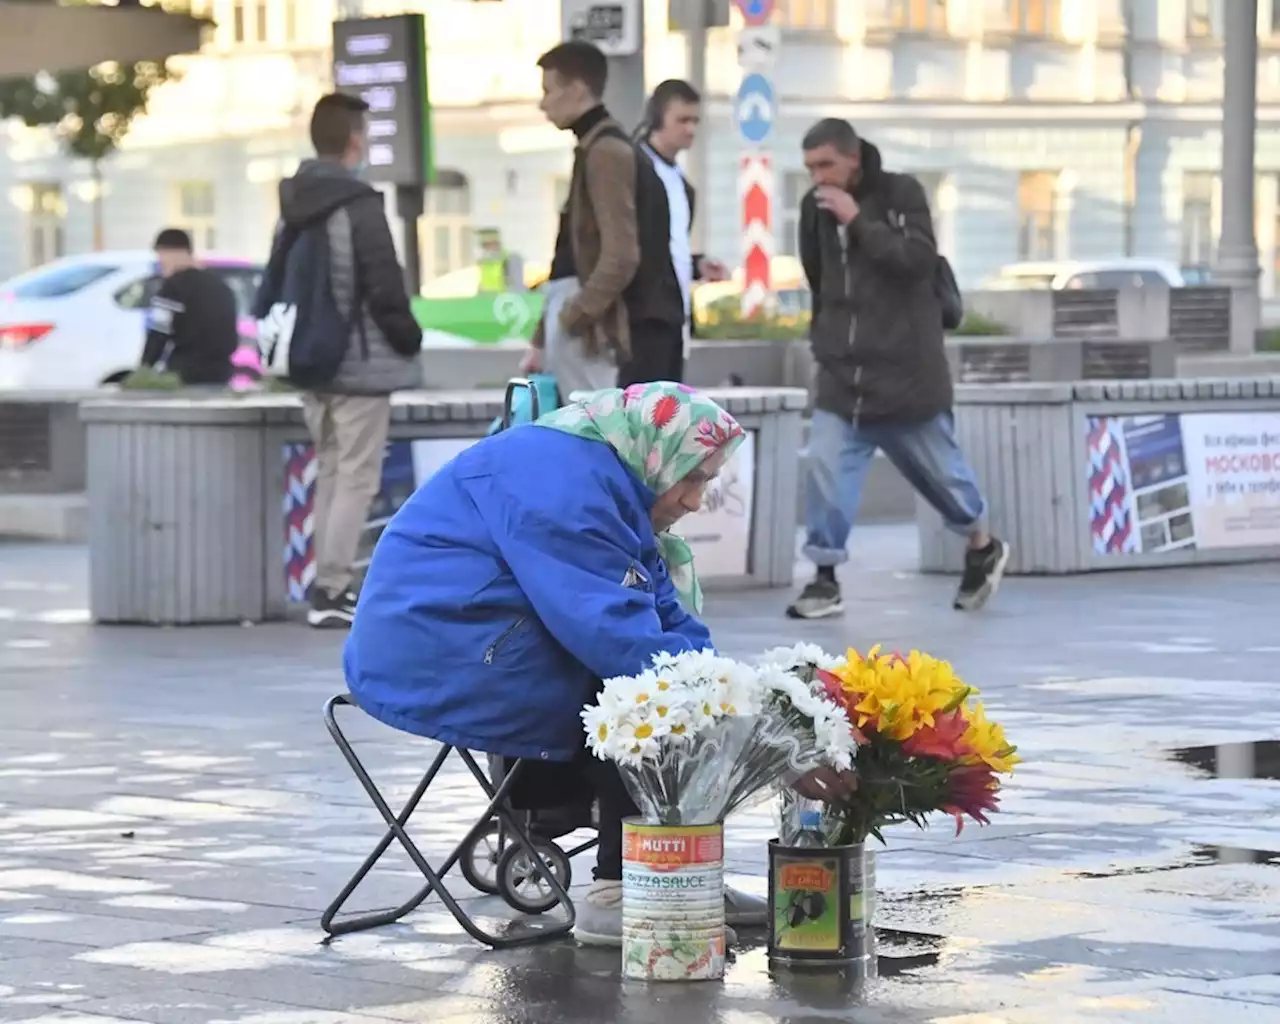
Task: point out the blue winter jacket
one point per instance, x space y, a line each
513 580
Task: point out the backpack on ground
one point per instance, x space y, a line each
303 336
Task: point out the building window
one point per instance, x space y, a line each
46 217
193 210
908 15
807 15
263 34
1026 17
446 226
1038 215
291 21
1199 199
787 233
1204 19
238 22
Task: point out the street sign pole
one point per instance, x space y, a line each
755 114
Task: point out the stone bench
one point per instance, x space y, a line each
199 507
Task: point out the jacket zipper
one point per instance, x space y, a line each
853 321
492 650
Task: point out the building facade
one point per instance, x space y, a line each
1042 129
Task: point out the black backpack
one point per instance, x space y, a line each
303 335
653 220
945 286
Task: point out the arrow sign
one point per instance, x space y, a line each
756 12
758 47
754 108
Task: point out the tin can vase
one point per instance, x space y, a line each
672 902
869 899
817 905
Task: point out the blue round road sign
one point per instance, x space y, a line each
755 108
756 12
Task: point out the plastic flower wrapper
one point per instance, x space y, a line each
698 735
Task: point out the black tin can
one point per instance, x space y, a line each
817 905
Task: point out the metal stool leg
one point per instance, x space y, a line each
396 831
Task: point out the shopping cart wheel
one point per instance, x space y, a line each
480 860
523 886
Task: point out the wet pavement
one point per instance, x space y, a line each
173 819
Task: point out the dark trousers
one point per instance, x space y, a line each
657 353
614 804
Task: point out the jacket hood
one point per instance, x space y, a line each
319 188
872 169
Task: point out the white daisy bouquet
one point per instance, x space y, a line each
804 660
697 735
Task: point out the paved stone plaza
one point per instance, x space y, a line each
173 818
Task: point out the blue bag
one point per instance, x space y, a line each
521 397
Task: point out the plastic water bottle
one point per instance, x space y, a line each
810 834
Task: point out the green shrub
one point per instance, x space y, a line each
148 378
975 325
730 325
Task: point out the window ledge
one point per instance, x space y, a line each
886 35
1007 37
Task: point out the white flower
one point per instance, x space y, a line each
624 694
599 724
800 656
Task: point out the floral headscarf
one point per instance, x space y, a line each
662 432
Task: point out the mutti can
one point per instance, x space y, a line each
672 902
817 909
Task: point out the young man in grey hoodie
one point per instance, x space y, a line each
349 417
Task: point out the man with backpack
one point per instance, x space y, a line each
335 320
882 296
627 308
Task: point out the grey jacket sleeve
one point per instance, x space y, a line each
379 276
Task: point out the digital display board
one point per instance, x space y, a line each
384 62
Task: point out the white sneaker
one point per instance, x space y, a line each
599 916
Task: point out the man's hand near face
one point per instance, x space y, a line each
837 202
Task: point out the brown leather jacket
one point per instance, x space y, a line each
605 241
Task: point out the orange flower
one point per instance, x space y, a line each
944 740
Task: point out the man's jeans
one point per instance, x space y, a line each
350 437
840 455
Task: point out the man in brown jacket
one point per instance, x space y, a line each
627 292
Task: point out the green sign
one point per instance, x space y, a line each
484 319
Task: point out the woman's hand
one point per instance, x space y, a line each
826 784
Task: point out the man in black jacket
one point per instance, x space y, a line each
348 417
670 125
191 323
883 383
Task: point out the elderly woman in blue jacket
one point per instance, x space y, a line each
535 564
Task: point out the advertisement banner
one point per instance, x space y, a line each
720 534
1195 480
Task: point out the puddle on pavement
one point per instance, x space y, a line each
1256 760
901 952
1197 855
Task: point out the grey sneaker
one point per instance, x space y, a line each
819 600
983 571
600 915
743 910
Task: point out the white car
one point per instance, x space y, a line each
1069 275
80 321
